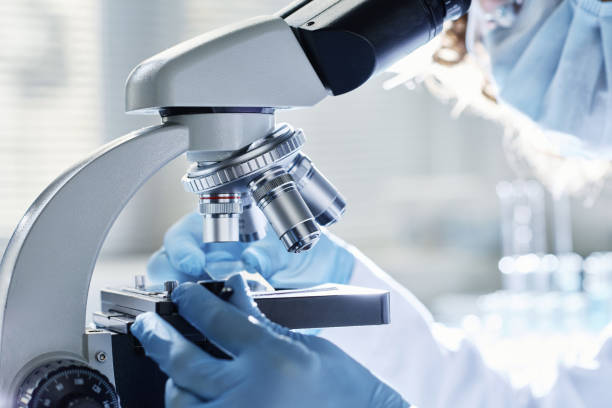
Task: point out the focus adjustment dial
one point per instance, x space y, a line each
67 384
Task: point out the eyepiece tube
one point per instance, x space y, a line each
324 201
278 198
221 216
348 42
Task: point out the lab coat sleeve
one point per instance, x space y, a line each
435 367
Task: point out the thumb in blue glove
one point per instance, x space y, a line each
329 261
271 366
184 257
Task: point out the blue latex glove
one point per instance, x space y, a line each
271 366
329 261
185 258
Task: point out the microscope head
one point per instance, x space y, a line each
225 86
255 64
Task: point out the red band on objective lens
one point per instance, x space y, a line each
220 198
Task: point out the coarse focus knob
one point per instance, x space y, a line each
66 383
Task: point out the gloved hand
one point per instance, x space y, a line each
185 258
271 366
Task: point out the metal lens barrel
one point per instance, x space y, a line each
278 198
221 216
252 223
323 199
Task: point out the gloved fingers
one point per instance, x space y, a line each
176 397
220 321
244 302
266 256
182 244
190 368
160 270
223 259
240 297
222 251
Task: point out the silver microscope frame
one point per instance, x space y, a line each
217 93
48 264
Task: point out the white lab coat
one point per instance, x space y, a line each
413 356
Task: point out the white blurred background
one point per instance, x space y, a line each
420 185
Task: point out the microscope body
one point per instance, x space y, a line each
216 94
242 171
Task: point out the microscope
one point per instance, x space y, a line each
216 95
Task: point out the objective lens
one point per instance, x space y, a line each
277 197
252 223
325 202
221 216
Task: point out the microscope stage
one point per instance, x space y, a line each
327 305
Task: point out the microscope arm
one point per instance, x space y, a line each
43 290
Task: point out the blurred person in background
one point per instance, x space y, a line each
543 67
